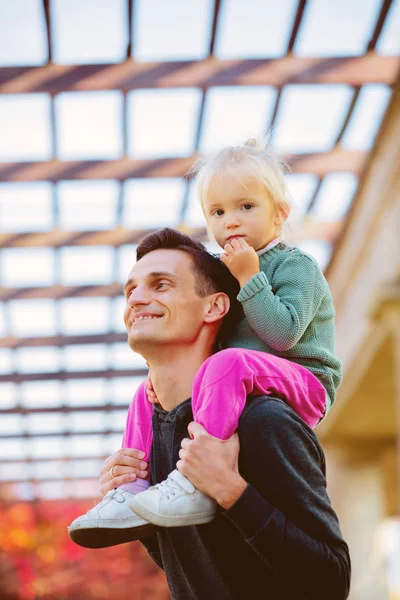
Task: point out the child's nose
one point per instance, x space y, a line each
231 221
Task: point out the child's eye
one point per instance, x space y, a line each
247 206
218 212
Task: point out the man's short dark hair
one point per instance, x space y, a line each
211 275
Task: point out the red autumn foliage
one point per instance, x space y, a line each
38 561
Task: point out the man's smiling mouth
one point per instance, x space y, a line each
146 317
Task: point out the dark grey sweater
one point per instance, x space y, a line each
280 540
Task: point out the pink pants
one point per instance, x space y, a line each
220 389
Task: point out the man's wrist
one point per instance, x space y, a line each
231 491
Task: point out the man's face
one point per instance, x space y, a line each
162 306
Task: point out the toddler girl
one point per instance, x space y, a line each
283 345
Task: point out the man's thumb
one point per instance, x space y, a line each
195 429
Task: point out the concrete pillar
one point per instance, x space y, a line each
356 491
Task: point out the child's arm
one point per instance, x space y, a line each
279 311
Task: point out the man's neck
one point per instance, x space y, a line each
172 374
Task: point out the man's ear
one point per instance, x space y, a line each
217 307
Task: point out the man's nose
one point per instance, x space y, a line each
139 295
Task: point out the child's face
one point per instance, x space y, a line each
241 209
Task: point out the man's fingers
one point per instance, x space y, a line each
128 457
119 470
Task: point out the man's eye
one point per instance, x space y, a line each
161 284
247 206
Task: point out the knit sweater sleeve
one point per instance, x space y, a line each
279 311
285 514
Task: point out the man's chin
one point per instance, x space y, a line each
140 340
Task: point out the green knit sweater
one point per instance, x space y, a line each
288 312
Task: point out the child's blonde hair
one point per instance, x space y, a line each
251 159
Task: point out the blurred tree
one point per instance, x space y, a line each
38 561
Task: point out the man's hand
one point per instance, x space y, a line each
126 465
241 259
212 465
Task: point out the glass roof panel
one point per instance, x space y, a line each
112 442
389 40
86 265
126 260
41 394
88 205
302 124
173 30
86 420
13 471
122 357
152 202
48 470
194 216
117 419
25 133
26 207
89 31
334 196
301 188
23 36
117 314
83 468
10 424
85 392
337 28
84 445
85 357
27 267
122 389
32 318
6 361
45 359
84 315
162 123
4 324
254 29
319 249
232 114
47 447
45 423
366 118
89 125
8 395
17 448
51 490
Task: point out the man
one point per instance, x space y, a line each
275 535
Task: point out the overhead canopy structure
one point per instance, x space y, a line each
104 106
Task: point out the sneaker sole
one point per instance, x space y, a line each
171 521
105 537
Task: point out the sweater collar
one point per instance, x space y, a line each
272 244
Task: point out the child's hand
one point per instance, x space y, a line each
241 259
151 395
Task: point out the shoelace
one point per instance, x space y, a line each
175 482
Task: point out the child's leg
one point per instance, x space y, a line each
138 434
225 380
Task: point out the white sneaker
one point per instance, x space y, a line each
174 502
109 523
